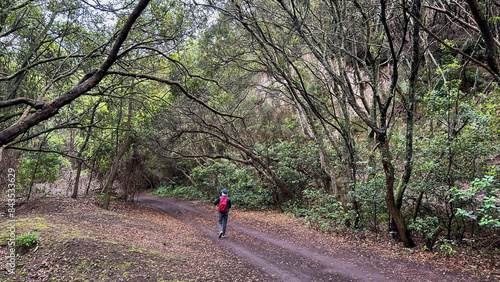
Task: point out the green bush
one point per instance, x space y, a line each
424 225
186 192
322 210
369 195
25 242
39 168
28 240
480 202
296 164
244 186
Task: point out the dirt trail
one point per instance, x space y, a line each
285 254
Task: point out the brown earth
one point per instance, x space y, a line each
166 239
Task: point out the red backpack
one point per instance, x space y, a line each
223 204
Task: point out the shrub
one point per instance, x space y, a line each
25 242
479 202
245 188
323 211
186 192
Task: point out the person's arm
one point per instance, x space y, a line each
217 201
228 203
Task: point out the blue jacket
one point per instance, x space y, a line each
228 202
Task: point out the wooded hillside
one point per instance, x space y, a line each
372 116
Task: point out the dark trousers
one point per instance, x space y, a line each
223 221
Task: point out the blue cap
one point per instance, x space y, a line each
224 191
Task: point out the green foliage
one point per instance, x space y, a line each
39 168
446 246
27 240
244 186
323 211
112 198
456 133
456 149
425 225
247 190
295 164
181 191
370 196
494 20
480 202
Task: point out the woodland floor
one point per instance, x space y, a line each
166 239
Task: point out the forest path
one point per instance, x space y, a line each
284 250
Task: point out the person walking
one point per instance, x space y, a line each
224 205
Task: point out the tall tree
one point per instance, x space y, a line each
79 163
349 65
121 149
89 81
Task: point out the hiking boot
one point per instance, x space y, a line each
220 234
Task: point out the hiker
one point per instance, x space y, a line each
224 205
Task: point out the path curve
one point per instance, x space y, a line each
289 260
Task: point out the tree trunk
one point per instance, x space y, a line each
36 167
90 179
114 168
418 204
74 195
389 192
415 63
488 37
432 239
80 153
32 182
